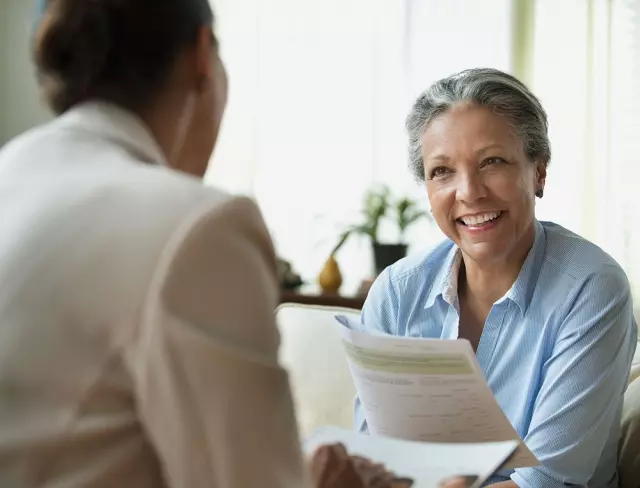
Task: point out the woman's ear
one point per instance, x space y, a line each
541 176
206 45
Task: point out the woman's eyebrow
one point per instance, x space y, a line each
490 147
438 157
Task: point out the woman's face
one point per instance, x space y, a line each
206 116
480 182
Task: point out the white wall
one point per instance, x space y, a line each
20 104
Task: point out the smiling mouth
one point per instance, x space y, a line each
479 220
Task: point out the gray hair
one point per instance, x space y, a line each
501 92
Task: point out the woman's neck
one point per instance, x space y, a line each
164 118
486 283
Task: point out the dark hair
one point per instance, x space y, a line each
115 50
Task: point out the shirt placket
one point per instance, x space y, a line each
490 334
451 326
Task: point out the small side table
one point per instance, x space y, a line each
313 295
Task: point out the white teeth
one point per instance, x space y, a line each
476 220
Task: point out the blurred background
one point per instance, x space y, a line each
319 90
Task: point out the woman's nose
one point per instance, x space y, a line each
470 187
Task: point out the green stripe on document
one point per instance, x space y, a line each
388 362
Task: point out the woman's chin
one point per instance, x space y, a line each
485 253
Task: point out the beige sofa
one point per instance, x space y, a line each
321 383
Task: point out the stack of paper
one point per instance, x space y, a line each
431 392
426 463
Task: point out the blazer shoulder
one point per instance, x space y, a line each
221 222
219 271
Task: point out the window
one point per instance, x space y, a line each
320 90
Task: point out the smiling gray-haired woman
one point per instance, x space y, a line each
548 313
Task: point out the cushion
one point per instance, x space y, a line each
635 372
312 352
629 456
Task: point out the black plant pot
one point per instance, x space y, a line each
386 254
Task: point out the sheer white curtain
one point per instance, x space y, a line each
320 90
319 93
585 67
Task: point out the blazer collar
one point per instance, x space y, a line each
108 121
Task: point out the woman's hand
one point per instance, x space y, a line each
332 467
454 483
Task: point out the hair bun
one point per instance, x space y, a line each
72 45
116 51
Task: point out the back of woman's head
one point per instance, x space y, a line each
120 51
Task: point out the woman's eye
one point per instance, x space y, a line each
439 172
493 160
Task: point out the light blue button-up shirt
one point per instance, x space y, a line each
555 350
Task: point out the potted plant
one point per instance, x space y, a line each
379 203
376 204
405 212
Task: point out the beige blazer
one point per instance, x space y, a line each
137 339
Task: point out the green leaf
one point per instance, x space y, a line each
375 206
407 213
343 238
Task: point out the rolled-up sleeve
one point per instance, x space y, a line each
210 395
583 381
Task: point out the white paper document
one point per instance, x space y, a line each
426 390
427 464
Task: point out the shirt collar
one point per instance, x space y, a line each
445 284
524 286
118 125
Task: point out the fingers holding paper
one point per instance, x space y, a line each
331 466
459 482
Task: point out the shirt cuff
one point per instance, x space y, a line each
534 478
